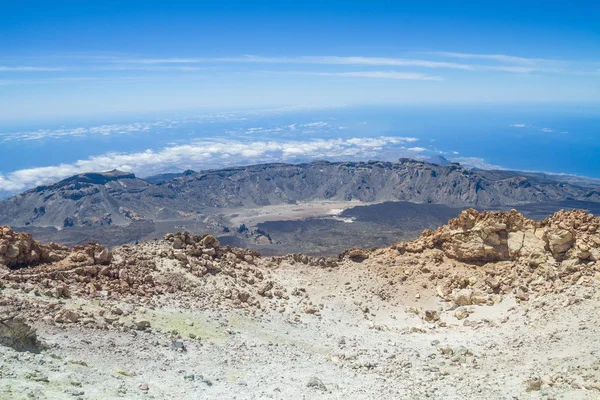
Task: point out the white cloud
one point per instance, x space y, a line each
504 63
522 65
417 76
316 124
324 60
546 130
514 69
491 57
417 149
483 62
68 79
9 185
22 68
153 68
201 154
379 141
103 130
146 126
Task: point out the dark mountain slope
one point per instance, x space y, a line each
406 180
118 198
90 199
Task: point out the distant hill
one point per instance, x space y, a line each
97 199
438 160
160 178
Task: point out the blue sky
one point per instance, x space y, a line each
63 59
149 87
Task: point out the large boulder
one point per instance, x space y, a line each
560 241
527 244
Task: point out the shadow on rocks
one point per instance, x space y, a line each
20 336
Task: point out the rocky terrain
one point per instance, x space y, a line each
491 305
115 208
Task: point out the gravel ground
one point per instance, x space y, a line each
491 306
536 350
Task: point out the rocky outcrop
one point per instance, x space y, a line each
475 255
19 250
18 334
479 256
502 236
192 267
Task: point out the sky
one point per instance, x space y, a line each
74 58
123 81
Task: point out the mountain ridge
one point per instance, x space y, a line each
116 197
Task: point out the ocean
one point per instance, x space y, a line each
543 137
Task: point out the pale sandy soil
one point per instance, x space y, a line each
359 346
288 212
187 318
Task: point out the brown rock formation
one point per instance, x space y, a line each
501 236
18 250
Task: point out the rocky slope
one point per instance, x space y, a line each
98 199
92 199
490 306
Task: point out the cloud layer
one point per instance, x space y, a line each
206 154
102 130
484 62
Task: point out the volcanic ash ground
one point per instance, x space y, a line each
490 306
